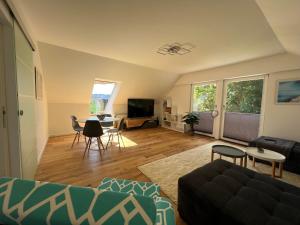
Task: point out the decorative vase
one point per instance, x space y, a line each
260 150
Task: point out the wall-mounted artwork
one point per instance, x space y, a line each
288 92
38 85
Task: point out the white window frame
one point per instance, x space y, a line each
216 105
263 77
112 95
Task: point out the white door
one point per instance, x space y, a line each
26 97
4 161
207 100
204 106
242 108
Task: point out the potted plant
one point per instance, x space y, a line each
190 118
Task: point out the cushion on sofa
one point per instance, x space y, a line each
164 210
31 202
223 193
147 189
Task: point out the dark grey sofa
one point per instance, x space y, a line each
223 193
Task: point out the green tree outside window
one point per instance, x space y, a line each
204 97
244 96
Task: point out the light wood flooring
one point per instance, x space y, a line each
62 164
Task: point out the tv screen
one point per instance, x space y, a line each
140 108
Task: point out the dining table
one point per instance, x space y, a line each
103 121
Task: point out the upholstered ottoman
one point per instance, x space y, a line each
223 193
290 149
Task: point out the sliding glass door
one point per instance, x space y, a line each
204 105
242 106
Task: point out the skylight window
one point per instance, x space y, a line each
101 94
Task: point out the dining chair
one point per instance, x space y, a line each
93 129
116 131
77 128
105 123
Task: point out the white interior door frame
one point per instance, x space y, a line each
224 98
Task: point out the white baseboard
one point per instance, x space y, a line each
41 152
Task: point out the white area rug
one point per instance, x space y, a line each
167 171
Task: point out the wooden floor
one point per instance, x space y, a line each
62 164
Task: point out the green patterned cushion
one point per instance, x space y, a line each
164 210
147 189
36 203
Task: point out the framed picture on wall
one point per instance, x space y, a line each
288 91
38 85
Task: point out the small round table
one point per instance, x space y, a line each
267 155
229 151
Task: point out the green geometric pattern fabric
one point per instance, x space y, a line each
164 210
147 189
38 203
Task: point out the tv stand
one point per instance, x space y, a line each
137 122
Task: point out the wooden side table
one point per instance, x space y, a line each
270 156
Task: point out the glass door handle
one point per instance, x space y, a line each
214 113
3 117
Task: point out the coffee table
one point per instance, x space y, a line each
229 151
268 155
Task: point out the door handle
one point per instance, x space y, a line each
214 113
21 112
3 117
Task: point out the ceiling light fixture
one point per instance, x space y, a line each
175 49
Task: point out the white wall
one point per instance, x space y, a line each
70 76
181 97
59 116
266 65
41 111
280 121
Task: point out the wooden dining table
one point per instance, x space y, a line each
95 118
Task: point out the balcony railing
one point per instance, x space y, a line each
206 122
241 126
238 126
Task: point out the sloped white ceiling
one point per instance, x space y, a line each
70 74
223 31
284 18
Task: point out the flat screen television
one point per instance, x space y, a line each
140 108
